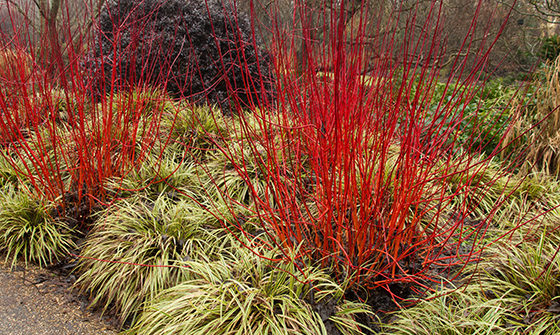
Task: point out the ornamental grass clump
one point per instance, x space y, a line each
515 292
169 173
195 129
543 154
527 273
243 293
455 312
138 247
28 232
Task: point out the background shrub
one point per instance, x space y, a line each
197 49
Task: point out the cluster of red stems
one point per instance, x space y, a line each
357 166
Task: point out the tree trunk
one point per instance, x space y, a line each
51 53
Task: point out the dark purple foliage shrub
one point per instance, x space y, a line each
197 49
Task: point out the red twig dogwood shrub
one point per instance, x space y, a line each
15 68
68 144
360 163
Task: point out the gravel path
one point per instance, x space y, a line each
37 302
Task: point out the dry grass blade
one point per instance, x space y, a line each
544 152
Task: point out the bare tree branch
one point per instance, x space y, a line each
24 14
